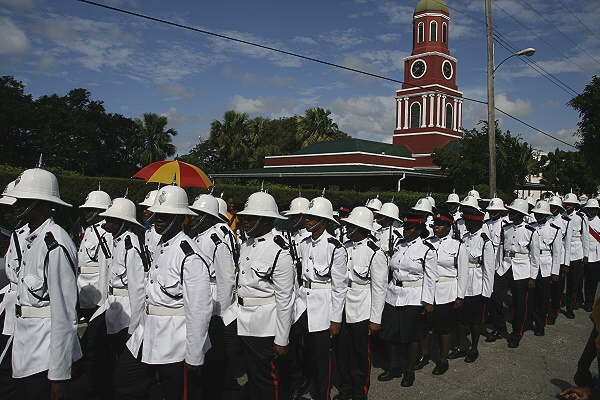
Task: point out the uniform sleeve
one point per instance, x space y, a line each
103 265
556 253
500 252
225 273
534 255
197 301
283 282
567 241
62 289
463 270
339 286
379 274
135 287
430 278
489 269
585 237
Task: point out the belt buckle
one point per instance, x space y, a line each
240 301
18 310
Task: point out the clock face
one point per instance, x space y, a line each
418 69
447 69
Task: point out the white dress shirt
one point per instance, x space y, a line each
575 226
388 238
561 223
592 240
151 239
446 288
550 238
367 271
476 262
92 264
177 283
12 265
518 251
47 279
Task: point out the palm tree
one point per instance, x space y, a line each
155 142
317 126
230 137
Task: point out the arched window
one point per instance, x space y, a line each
449 116
420 32
415 115
444 32
433 31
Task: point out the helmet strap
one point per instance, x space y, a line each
28 210
121 229
93 217
149 219
298 224
315 227
255 226
200 221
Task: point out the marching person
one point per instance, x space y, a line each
494 223
453 204
367 272
172 340
470 205
410 294
265 297
557 285
390 231
573 251
151 237
424 207
518 266
297 231
549 238
319 303
591 253
375 205
45 342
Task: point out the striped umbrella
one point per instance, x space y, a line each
185 174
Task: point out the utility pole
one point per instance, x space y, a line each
490 97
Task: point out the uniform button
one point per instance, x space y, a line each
306 269
162 251
239 286
307 293
151 281
28 246
243 272
156 266
247 258
147 297
22 280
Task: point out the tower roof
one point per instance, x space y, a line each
431 5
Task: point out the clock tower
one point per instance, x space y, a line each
429 104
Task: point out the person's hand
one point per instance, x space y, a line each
458 303
555 278
428 308
56 390
334 329
531 283
577 393
280 351
373 328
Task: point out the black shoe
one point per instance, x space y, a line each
408 379
539 332
441 368
342 396
388 375
472 356
583 378
551 319
454 354
588 308
569 314
422 362
495 335
513 341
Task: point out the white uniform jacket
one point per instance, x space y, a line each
550 238
575 226
324 286
460 227
592 240
151 239
388 238
12 266
494 228
265 288
446 288
518 251
414 274
559 221
93 264
367 281
45 336
220 266
124 306
178 306
226 235
476 261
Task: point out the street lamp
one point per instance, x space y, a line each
528 52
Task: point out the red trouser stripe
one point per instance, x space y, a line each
525 317
275 379
368 377
185 381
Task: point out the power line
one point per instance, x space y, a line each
289 53
576 17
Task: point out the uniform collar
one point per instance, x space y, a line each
174 239
32 235
324 235
261 238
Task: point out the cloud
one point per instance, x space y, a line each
544 143
389 37
176 92
47 62
282 81
14 40
177 119
367 117
244 105
17 3
343 39
518 107
304 40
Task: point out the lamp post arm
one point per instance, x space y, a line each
503 61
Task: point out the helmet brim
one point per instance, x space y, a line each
108 214
358 224
387 215
267 214
17 194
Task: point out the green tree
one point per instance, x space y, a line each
316 125
154 140
16 128
565 170
588 106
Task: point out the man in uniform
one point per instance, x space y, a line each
453 204
151 237
573 250
557 286
591 253
390 231
45 340
496 211
375 205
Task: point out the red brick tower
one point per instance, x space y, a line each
429 105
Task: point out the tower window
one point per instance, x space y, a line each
415 115
433 31
420 32
449 116
444 32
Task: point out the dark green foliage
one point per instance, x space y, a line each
566 170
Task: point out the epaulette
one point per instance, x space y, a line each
215 238
334 242
50 241
531 228
580 214
372 245
306 238
506 225
397 233
224 229
566 218
484 236
187 249
280 242
426 243
554 226
128 245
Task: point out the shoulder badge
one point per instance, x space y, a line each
215 238
128 244
372 245
187 249
531 228
426 243
334 242
484 236
566 218
50 241
280 241
224 229
507 225
580 214
554 226
397 233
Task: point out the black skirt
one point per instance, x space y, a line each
473 310
405 324
443 318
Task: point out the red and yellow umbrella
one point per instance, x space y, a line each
185 174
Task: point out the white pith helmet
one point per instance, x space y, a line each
389 210
530 200
37 184
496 204
453 199
591 203
97 199
9 201
556 201
361 217
261 204
474 193
322 208
471 201
571 198
520 206
222 209
542 207
298 206
431 200
149 199
583 199
123 209
423 205
206 203
374 204
171 200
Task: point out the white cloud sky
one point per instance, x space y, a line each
14 40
